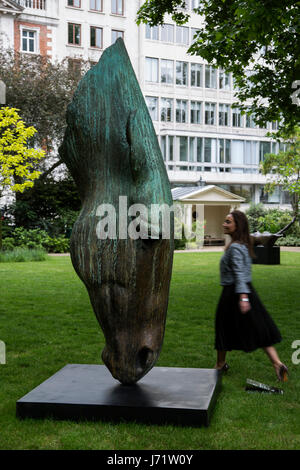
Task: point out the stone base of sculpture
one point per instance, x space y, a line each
267 255
166 395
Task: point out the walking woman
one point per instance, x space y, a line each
242 321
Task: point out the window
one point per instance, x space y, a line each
166 110
196 110
236 117
210 77
182 35
74 3
170 147
269 198
183 149
194 33
264 148
185 5
28 40
224 80
96 5
196 75
210 146
196 149
167 33
224 151
166 71
181 111
210 113
151 69
181 73
96 37
152 32
163 146
74 34
237 154
152 103
251 152
75 66
115 35
117 7
250 121
223 114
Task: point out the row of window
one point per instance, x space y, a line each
171 33
197 112
96 35
30 41
186 74
228 154
117 6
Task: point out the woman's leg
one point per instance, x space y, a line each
280 368
221 356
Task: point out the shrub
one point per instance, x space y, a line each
8 244
253 214
289 240
35 239
57 245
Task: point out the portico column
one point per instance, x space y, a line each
188 215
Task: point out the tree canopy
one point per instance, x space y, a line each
284 169
17 159
41 91
257 40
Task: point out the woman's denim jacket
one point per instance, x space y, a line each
235 268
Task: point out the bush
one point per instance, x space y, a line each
35 239
289 240
271 220
254 213
57 245
21 254
8 244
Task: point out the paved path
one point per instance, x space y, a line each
204 250
221 248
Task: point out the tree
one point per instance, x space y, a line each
52 205
17 159
284 169
258 41
41 90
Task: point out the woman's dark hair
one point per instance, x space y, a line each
242 234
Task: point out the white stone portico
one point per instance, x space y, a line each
209 203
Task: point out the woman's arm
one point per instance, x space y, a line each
238 265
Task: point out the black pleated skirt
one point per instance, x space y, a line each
243 331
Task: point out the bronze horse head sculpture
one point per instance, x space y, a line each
112 152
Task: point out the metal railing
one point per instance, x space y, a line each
35 4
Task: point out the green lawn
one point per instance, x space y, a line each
46 322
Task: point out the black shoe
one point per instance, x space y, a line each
282 373
225 368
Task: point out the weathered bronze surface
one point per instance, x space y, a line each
268 239
111 150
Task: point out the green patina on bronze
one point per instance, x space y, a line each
111 150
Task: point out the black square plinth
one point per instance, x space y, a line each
165 395
267 255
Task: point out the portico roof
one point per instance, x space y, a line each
209 194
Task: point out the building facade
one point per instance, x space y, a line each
203 139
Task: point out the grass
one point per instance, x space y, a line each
19 255
46 321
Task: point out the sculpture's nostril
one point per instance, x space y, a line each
144 357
